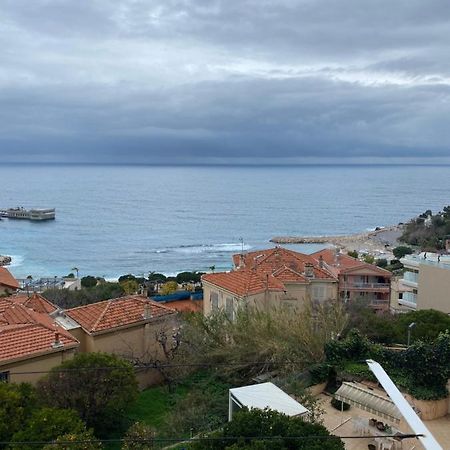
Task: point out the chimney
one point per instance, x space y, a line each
57 343
309 270
321 263
147 311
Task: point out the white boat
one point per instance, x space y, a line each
29 214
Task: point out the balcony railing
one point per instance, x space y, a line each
362 286
411 277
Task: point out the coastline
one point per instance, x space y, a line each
379 242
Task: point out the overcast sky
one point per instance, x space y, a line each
224 81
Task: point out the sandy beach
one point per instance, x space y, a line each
378 243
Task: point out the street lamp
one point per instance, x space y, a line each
410 327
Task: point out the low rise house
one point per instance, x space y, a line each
268 278
358 281
133 327
425 283
31 343
8 284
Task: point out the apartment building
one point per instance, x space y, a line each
425 283
358 281
268 278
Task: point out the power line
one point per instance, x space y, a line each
160 366
208 438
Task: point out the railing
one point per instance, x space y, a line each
409 297
362 285
411 277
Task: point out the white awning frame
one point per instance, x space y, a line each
369 401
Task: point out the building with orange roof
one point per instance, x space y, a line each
269 278
133 327
358 281
8 284
31 343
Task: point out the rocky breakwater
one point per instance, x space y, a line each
376 242
5 260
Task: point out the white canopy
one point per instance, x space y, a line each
264 395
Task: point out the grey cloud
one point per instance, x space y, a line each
149 80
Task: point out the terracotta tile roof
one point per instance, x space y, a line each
287 274
245 281
117 312
186 305
342 263
7 279
272 259
26 333
35 301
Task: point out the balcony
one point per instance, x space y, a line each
408 299
410 279
366 287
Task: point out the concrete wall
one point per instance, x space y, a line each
433 288
38 364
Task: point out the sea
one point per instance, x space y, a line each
114 220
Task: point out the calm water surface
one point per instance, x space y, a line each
113 220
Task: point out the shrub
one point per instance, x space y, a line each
46 425
88 281
339 405
100 386
138 437
319 373
382 263
401 251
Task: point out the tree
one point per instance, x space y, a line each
70 299
138 437
369 259
247 429
17 403
353 254
294 337
401 251
130 286
169 288
75 269
70 441
100 386
382 262
88 281
46 425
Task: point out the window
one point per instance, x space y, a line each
214 301
229 310
318 292
4 377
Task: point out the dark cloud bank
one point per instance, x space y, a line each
224 81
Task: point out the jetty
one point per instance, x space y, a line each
29 214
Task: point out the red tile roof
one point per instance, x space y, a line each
244 282
34 301
272 259
7 279
342 263
27 333
117 312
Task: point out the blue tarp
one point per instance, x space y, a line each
179 295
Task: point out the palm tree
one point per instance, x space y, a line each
212 269
76 270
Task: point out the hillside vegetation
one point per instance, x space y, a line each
428 231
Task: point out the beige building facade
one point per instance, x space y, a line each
133 327
425 283
268 279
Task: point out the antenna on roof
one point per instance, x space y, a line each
241 240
